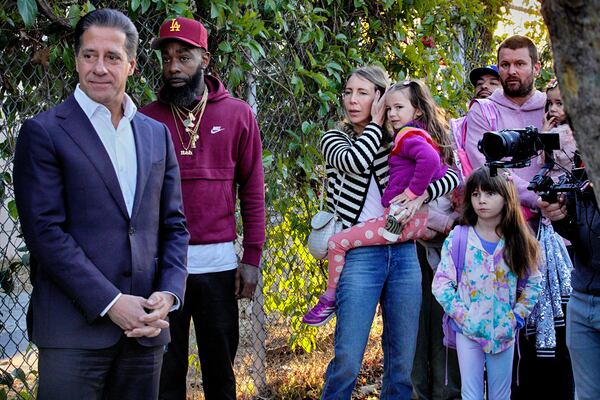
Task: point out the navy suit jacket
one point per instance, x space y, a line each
84 247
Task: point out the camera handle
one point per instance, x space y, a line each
494 165
541 182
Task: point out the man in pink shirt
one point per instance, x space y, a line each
519 105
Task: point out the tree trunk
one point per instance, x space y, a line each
575 34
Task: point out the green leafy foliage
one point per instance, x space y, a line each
290 58
302 52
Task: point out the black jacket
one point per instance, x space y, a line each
582 228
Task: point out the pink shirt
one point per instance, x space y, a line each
510 115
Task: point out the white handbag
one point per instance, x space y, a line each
324 225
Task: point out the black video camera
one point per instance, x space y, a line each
523 144
520 144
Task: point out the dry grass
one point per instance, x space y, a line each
300 375
290 374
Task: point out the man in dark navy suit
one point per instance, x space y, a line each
98 193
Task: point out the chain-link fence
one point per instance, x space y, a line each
33 81
37 72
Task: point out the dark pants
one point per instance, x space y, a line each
543 378
126 370
555 373
429 367
210 302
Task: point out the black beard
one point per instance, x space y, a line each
523 90
183 96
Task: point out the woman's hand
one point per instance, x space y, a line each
410 207
378 109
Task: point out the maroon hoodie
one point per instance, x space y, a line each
228 155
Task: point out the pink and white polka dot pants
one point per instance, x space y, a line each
369 233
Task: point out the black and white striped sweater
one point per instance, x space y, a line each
354 160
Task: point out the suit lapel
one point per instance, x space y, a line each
80 129
143 144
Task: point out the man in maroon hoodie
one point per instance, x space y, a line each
219 150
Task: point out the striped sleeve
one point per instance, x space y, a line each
355 157
442 186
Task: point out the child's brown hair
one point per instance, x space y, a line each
432 116
521 250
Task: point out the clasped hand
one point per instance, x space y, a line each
408 207
140 317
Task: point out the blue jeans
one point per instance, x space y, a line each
583 341
389 275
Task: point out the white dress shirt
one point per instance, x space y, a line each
119 143
120 146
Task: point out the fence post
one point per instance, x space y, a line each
257 322
257 317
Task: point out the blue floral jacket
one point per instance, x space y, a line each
484 303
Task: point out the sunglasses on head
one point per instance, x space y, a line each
552 84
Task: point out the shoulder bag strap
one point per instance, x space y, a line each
337 199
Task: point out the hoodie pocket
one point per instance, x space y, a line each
506 327
208 202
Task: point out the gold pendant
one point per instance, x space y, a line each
188 124
186 152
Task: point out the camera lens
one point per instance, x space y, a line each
497 145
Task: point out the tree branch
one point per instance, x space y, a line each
48 12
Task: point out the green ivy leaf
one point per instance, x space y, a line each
267 159
319 38
88 7
69 58
12 210
28 11
74 14
215 11
25 258
235 76
20 375
6 379
146 5
134 5
7 283
225 47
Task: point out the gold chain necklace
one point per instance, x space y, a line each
190 119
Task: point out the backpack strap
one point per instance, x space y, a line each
458 126
490 111
459 249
